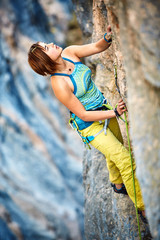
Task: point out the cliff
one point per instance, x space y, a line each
135 50
41 194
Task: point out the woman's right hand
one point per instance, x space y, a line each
121 107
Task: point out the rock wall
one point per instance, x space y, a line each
135 50
41 194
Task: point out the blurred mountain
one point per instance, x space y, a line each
41 194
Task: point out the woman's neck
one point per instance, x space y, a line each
63 66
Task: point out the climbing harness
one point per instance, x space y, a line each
85 140
130 153
88 139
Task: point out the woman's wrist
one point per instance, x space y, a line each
117 113
110 114
108 37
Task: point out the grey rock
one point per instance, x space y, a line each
84 16
143 76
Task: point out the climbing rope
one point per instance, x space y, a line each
130 153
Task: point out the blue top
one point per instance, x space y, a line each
84 89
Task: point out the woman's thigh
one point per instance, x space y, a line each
115 129
104 143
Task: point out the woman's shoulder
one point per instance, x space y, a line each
58 82
61 88
56 78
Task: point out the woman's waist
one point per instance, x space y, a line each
92 102
78 123
81 124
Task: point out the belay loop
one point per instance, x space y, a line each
129 145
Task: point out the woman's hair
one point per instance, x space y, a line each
39 61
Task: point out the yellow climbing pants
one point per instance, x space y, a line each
117 157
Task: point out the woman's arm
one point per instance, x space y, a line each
89 49
64 94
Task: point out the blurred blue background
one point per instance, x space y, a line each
41 191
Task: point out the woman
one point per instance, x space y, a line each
72 85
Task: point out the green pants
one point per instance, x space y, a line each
117 157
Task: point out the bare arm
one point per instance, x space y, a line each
89 49
64 94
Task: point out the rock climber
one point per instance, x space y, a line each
72 85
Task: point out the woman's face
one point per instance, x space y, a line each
52 50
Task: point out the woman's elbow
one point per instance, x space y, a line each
86 117
83 116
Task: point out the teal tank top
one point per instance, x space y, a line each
84 89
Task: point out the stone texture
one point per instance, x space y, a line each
44 199
135 51
141 56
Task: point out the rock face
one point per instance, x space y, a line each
41 194
135 51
